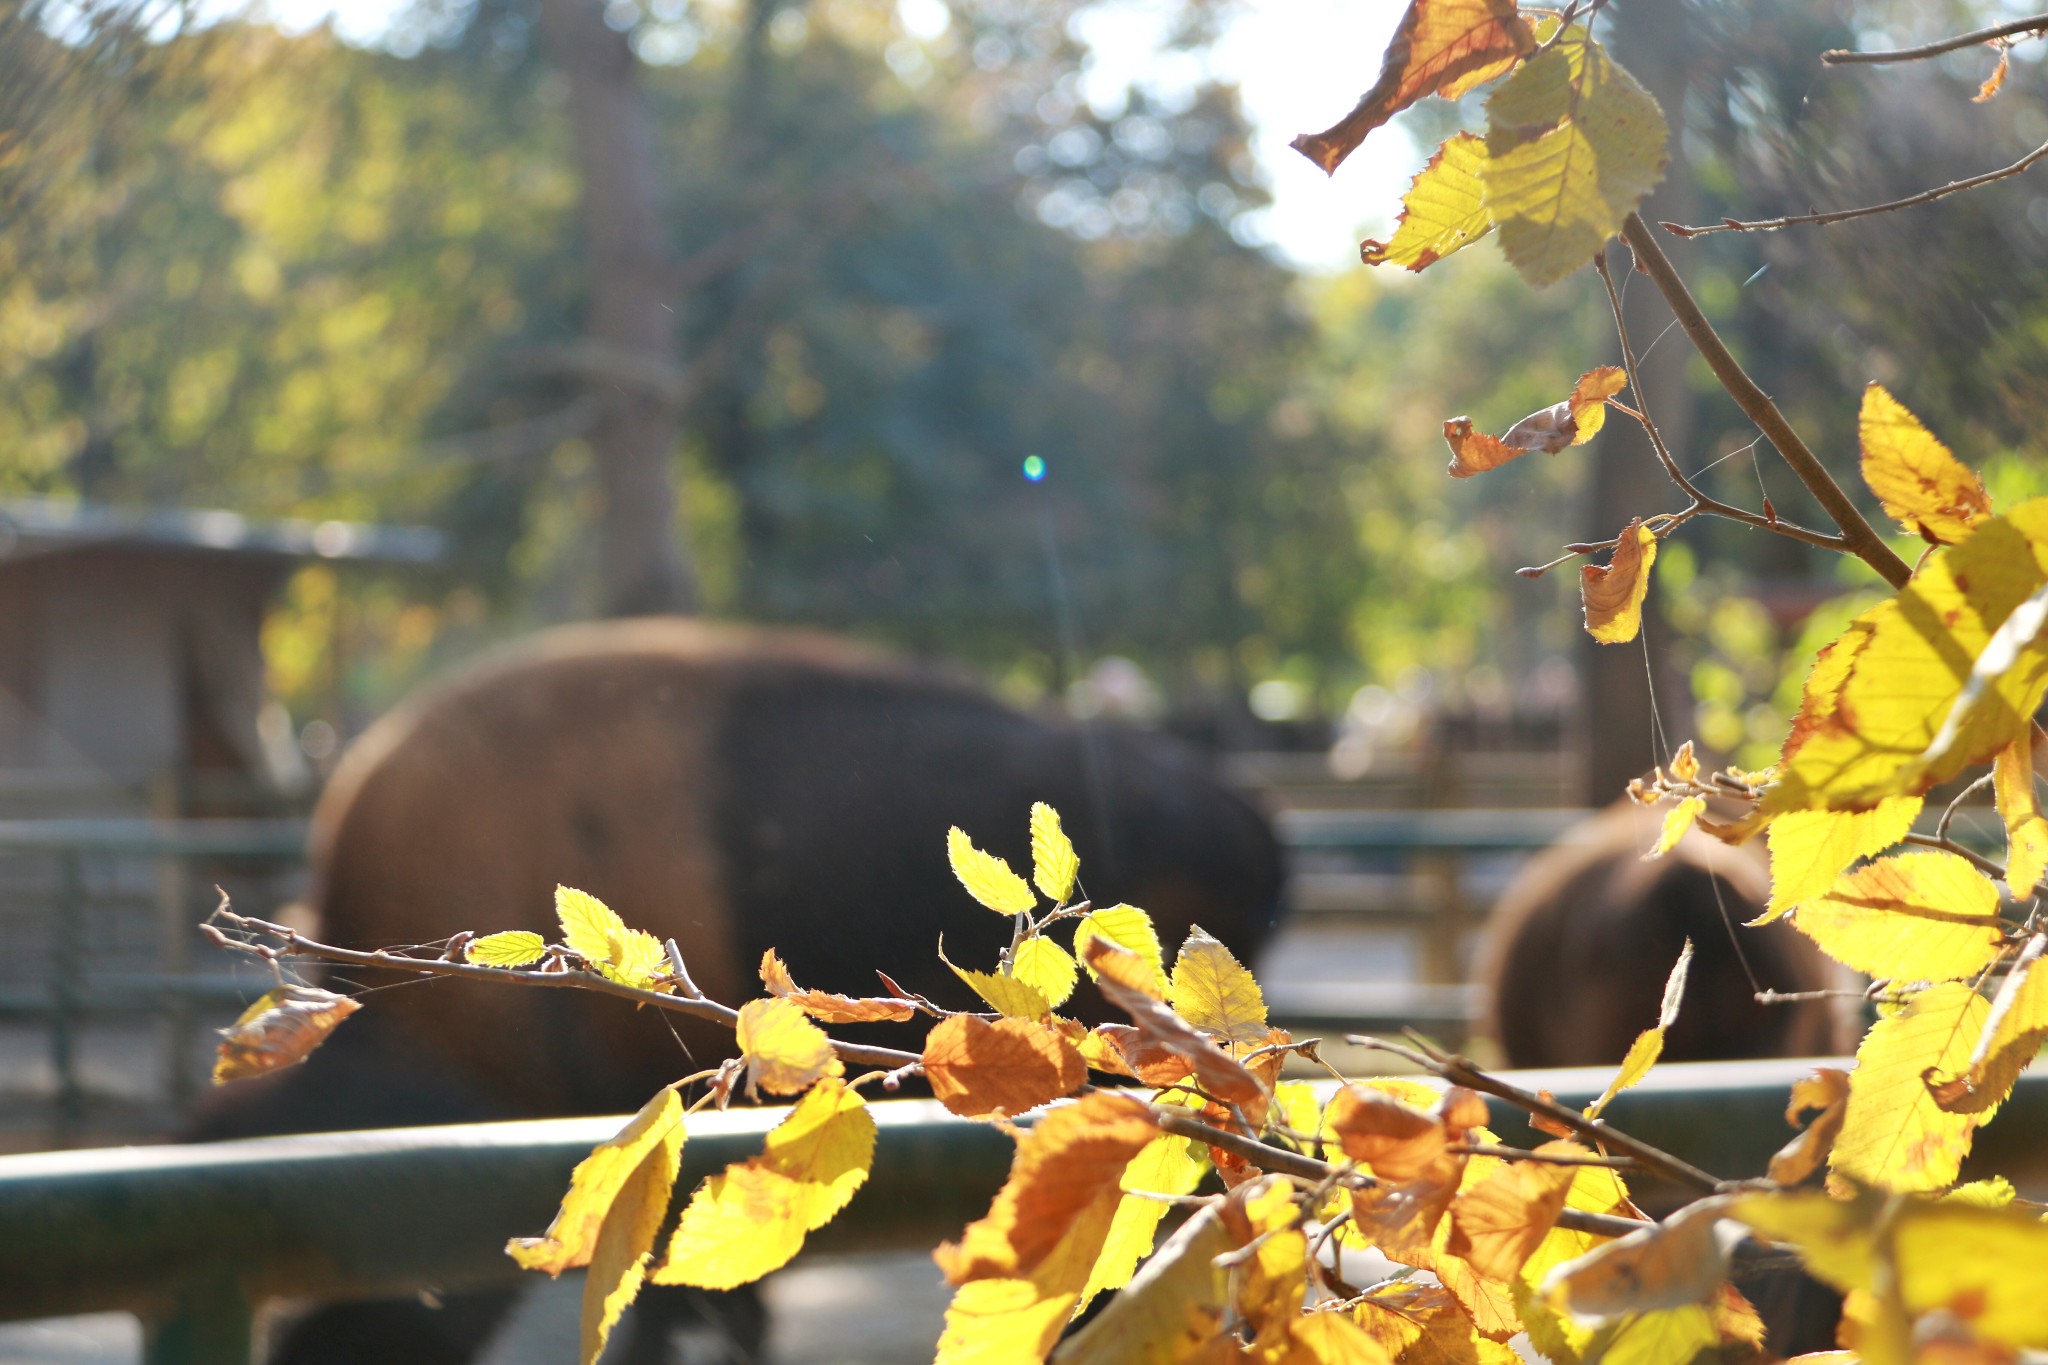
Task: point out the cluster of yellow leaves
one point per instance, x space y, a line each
1573 143
592 931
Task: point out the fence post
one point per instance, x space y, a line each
67 953
212 1323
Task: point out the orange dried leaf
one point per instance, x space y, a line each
1497 1224
1141 1057
1613 592
1442 47
978 1068
785 1051
1216 1070
1994 82
281 1029
1421 1324
1826 1090
1568 423
1073 1157
1930 491
827 1007
1395 1141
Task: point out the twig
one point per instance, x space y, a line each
1701 502
2010 29
1459 1071
294 944
1844 215
1857 536
1987 866
1941 830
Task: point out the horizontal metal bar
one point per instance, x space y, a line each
343 1215
135 993
1456 831
266 839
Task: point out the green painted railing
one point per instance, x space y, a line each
194 1239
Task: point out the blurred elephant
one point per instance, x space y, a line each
734 789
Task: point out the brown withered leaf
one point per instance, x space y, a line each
827 1007
1826 1090
978 1068
1396 1141
1148 1061
1548 1126
281 1029
1613 592
1496 1224
1571 422
1216 1071
1114 962
1075 1155
1994 82
1442 47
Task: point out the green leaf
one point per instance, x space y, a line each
514 948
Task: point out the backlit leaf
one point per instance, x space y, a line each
1811 848
1932 493
1272 1283
514 948
1573 145
753 1217
1006 995
1557 1335
1016 1321
1393 1140
1685 764
280 1029
2011 1040
1419 1324
1441 47
625 1240
785 1051
978 1068
1912 707
1682 1260
1498 1223
1172 1308
572 1237
1826 1090
1054 864
1071 1159
1649 1044
2026 830
1921 916
1127 927
1166 1165
593 931
1894 1136
1213 991
1677 821
987 878
827 1007
1122 1049
1613 592
1568 423
1664 1337
1217 1071
1442 211
1047 968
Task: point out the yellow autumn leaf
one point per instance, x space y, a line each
1213 991
1272 1282
1811 848
1588 405
1497 1224
514 948
987 878
280 1029
1166 1165
785 1051
1662 1338
1932 493
1649 1044
2011 1040
753 1217
657 1130
1443 210
1046 968
1894 1136
1054 864
1924 685
1008 996
1685 764
1171 1309
1677 821
594 931
625 1240
1127 927
1922 916
2026 829
1614 592
1682 1260
1016 1319
1012 1065
1557 1335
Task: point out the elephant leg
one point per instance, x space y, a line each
673 1325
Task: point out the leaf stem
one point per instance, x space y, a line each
1857 536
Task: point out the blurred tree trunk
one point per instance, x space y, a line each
1615 697
630 328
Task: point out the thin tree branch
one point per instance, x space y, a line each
2012 28
294 944
1459 1071
1857 536
1701 502
1987 866
1844 215
1948 816
1612 1163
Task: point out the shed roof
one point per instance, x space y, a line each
40 526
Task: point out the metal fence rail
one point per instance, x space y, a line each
193 1239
